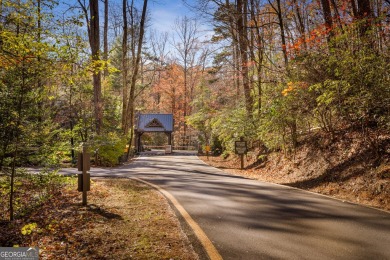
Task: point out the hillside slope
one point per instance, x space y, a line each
348 167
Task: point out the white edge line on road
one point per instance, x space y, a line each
200 234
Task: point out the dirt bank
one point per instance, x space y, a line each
347 167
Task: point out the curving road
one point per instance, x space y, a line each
247 219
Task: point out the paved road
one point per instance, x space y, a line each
249 219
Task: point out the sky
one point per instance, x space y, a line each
163 14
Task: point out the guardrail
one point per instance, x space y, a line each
159 147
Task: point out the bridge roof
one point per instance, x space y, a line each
155 123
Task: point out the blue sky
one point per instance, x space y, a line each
164 13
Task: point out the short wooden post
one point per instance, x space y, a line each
242 161
84 179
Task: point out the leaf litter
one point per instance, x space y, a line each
124 219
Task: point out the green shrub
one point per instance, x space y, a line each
109 149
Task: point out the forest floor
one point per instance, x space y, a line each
124 219
347 167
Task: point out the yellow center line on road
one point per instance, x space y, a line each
200 234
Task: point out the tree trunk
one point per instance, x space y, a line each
282 33
337 14
105 38
327 17
134 76
40 76
185 88
301 24
125 88
364 9
236 56
257 38
354 8
243 43
17 138
94 40
364 12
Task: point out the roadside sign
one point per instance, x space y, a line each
240 147
207 148
168 149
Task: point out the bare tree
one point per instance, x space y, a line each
159 49
186 46
278 11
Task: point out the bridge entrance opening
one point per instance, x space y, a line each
154 141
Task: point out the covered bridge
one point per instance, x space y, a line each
153 123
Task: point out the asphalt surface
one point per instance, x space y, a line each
247 219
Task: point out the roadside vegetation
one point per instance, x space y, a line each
123 220
345 167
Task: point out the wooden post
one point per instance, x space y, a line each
242 161
84 177
242 155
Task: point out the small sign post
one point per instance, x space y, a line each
83 164
241 149
208 149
